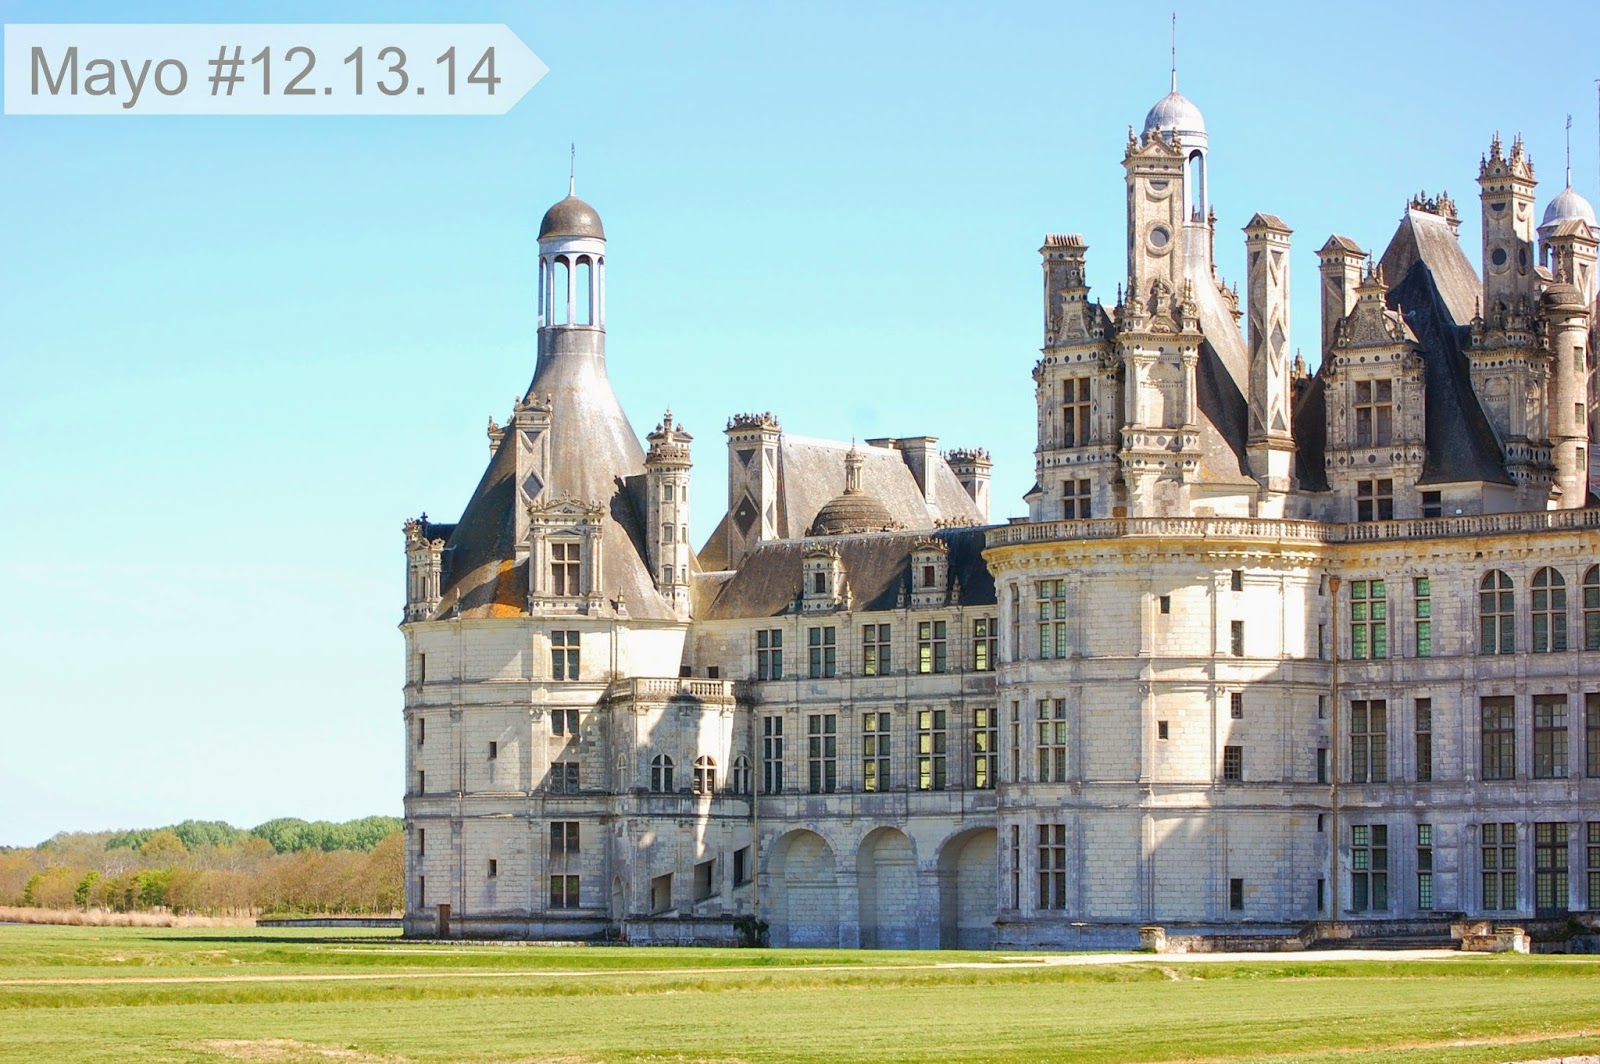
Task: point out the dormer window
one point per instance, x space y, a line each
1374 409
564 555
930 572
822 584
565 565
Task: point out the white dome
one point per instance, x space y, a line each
1175 113
1565 207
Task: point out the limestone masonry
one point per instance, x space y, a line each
1272 648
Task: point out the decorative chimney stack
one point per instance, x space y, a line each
1269 444
971 466
424 569
666 469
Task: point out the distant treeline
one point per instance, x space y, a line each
213 868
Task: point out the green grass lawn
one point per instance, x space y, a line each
366 997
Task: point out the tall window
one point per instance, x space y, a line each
1016 741
1497 618
563 778
1499 858
1052 866
1374 413
1375 500
769 654
1550 737
822 652
1550 869
1076 500
931 646
1591 608
1424 866
822 752
1499 736
875 650
1591 732
772 755
985 734
932 750
563 837
563 892
1369 867
1052 744
1549 612
1233 764
705 775
1076 429
1369 619
564 722
661 774
1052 618
1369 741
1594 864
741 775
1424 736
1236 638
875 751
564 563
1422 610
1016 869
563 655
985 643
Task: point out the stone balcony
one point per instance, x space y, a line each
662 690
1297 533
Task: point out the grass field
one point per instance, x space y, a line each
291 995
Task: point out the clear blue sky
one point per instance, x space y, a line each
238 352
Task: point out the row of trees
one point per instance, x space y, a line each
214 869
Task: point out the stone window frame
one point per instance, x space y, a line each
1552 841
985 643
769 653
1369 868
565 838
822 753
1497 737
1378 430
740 776
1054 637
704 781
1050 735
1425 895
1077 411
985 741
565 892
1051 851
772 753
1547 611
1077 499
877 649
563 523
877 745
1497 866
1369 740
1497 613
933 749
566 655
661 774
1422 616
1551 739
822 652
1422 733
933 647
1374 499
1233 764
1591 608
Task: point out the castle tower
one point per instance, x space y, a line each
424 565
1567 318
1158 323
1339 262
1270 445
971 466
1507 185
666 467
752 483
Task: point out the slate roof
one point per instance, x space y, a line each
594 457
877 567
1436 291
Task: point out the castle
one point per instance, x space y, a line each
1271 647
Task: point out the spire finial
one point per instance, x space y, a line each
1174 51
1569 151
572 171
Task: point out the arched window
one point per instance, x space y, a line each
741 775
1195 186
1591 608
584 288
1497 618
560 293
661 774
705 775
1549 612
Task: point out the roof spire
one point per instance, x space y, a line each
572 171
1174 51
1569 151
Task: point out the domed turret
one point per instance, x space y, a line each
571 218
1176 113
1568 206
855 510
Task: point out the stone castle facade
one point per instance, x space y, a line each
1271 647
